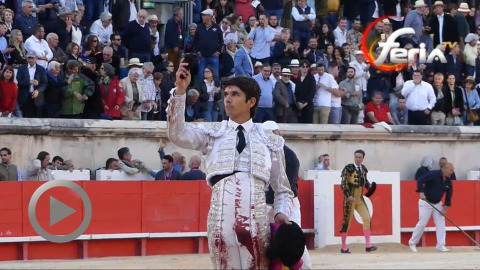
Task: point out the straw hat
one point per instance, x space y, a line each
463 8
438 3
419 3
135 62
286 72
294 63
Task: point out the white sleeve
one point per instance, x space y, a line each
49 52
296 16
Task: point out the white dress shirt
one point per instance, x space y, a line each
419 96
299 18
40 48
440 27
103 33
322 96
340 36
133 11
31 73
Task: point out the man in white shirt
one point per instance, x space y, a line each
325 84
361 70
420 99
39 46
336 104
273 22
302 16
340 33
228 32
102 28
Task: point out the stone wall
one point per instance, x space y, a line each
90 142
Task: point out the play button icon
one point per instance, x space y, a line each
60 211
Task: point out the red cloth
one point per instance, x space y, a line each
116 96
8 98
379 113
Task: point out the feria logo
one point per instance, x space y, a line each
399 57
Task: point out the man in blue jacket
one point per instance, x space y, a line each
431 187
195 173
174 37
208 44
242 61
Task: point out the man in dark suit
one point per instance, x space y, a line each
32 81
285 108
168 173
448 25
195 173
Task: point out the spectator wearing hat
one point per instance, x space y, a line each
153 24
38 46
111 91
208 44
284 98
470 53
415 21
262 36
103 28
174 37
54 90
25 21
62 26
137 37
32 81
242 60
442 25
362 73
58 54
79 89
340 33
295 68
459 17
257 68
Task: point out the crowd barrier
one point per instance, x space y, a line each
138 218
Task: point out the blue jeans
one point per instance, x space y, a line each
303 37
212 61
470 70
335 115
332 19
211 115
278 12
144 57
93 8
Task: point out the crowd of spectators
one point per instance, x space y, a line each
104 60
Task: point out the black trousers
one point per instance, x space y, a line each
418 118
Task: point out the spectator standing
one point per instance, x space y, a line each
335 115
312 54
265 108
460 19
243 61
340 33
103 28
18 55
325 85
420 99
354 35
125 12
262 36
304 93
208 44
128 165
470 53
442 25
223 10
8 92
8 171
79 89
167 173
192 107
38 170
62 26
277 29
283 49
227 62
54 90
453 102
174 37
210 94
133 95
38 46
302 17
362 73
153 24
228 32
93 105
32 82
25 21
415 21
111 92
58 54
137 37
195 173
244 8
284 99
352 101
273 7
437 117
399 111
118 48
77 28
237 25
148 89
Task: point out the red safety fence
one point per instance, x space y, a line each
136 208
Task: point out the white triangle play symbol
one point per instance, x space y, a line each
59 211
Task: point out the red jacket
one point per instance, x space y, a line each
116 96
8 97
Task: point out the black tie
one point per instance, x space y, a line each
359 170
241 139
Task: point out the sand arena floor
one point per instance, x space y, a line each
388 256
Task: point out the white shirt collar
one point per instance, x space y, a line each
34 66
248 126
142 25
441 16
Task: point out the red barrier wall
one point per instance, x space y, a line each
169 206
